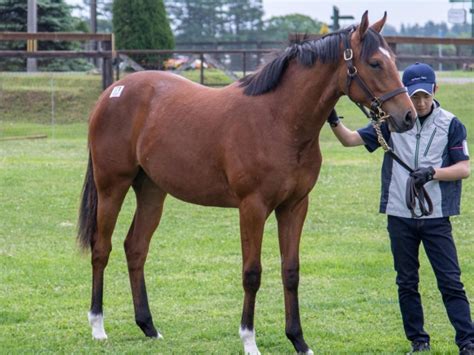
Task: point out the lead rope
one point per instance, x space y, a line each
380 138
413 194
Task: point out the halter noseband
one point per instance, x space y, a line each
376 112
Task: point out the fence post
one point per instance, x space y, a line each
201 57
259 55
107 66
117 67
244 63
32 27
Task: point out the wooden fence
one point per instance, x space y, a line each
108 53
105 51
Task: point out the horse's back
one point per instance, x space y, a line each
170 127
137 101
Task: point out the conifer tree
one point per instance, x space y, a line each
142 24
53 16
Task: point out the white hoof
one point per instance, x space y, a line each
158 337
96 321
309 352
248 339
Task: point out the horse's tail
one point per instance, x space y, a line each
87 224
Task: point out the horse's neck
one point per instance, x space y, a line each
306 96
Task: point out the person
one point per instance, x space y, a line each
436 149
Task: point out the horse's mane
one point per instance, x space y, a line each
325 49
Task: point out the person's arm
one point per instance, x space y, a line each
458 153
347 137
458 171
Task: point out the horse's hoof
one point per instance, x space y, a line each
100 336
157 337
308 352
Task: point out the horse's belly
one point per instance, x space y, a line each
195 181
203 195
210 199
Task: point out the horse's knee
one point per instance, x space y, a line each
291 278
251 279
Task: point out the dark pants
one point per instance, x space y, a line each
435 234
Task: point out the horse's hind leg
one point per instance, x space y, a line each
110 199
253 214
290 223
150 200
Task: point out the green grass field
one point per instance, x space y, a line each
348 297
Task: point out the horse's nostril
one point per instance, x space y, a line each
409 118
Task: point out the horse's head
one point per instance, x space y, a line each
371 77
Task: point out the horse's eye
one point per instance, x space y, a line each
375 65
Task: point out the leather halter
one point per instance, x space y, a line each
376 103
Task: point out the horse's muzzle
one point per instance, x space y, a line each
401 125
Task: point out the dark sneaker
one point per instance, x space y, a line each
467 350
419 346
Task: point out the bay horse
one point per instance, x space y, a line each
253 145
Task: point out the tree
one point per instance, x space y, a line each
53 16
211 20
278 28
196 20
104 14
460 30
389 30
245 19
142 24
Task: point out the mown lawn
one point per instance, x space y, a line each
347 292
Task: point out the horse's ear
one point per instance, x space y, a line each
364 24
378 26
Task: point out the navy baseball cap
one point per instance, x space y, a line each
419 77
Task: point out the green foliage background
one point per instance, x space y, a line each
141 24
53 16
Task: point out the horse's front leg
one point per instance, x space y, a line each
290 224
253 214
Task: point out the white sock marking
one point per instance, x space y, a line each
248 339
97 323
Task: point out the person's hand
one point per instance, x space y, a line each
422 175
333 119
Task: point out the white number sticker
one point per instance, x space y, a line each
117 91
